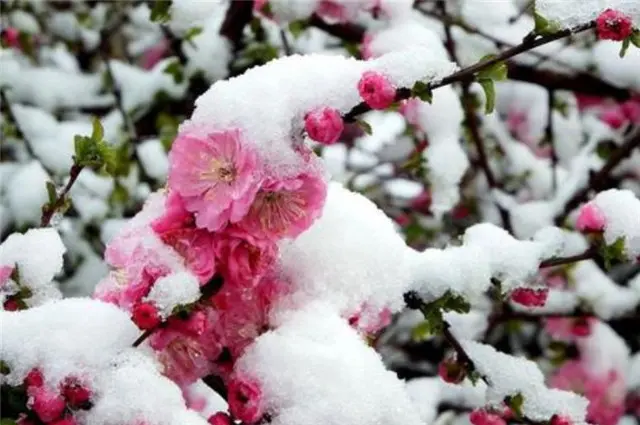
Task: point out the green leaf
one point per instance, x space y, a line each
613 253
635 38
191 33
490 95
297 27
261 52
422 331
4 368
625 46
98 131
160 12
352 48
15 274
365 126
86 152
119 195
496 72
422 91
174 68
515 402
542 25
7 421
474 376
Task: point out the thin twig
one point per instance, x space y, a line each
49 211
549 139
559 261
468 73
597 181
285 43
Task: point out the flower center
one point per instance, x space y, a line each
220 171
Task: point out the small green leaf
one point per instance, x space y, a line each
422 91
98 131
542 25
86 152
160 12
490 95
625 46
635 38
7 421
352 48
51 192
613 253
515 402
474 376
15 274
365 126
191 33
422 331
497 72
4 368
119 195
174 68
297 27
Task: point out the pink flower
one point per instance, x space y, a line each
47 404
245 399
614 117
590 218
34 379
376 90
67 420
219 418
370 320
605 392
613 25
332 10
154 54
422 202
560 420
324 125
5 274
184 360
175 217
11 37
145 316
483 417
451 371
285 208
365 47
631 109
243 262
216 175
568 329
76 394
530 297
410 108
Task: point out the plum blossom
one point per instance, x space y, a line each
484 417
530 297
613 25
245 399
324 125
591 218
217 175
376 90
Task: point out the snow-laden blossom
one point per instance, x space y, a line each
484 417
567 329
245 399
219 418
605 391
145 315
376 90
530 297
324 125
244 262
451 371
284 208
46 403
218 176
613 25
591 218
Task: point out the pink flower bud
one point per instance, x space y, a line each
11 37
47 404
560 420
11 305
590 218
530 297
614 117
324 125
451 371
219 418
145 315
75 393
245 400
613 25
581 327
376 90
34 379
482 417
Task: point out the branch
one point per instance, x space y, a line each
598 180
467 74
589 254
237 17
549 139
49 211
347 32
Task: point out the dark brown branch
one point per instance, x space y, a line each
49 211
548 134
347 32
598 180
175 44
559 261
467 74
579 82
238 16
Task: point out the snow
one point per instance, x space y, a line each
604 350
568 14
314 360
176 289
153 159
208 52
509 375
352 254
26 193
621 209
621 72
